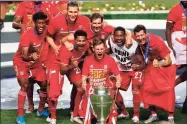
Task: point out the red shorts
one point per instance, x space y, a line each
22 71
74 75
127 77
55 83
38 74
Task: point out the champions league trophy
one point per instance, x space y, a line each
102 103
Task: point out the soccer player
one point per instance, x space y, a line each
176 36
70 65
159 75
29 57
122 55
98 67
25 10
59 28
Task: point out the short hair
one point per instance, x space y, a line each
80 33
97 41
39 15
96 16
138 28
72 4
119 28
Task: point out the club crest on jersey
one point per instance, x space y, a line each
91 66
105 66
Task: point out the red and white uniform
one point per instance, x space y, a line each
122 57
98 73
103 34
25 10
59 27
158 83
67 56
36 43
178 37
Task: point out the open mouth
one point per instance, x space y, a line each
40 29
100 56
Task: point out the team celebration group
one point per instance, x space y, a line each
92 53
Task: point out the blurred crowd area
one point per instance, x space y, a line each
114 5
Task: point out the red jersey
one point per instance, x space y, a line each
177 16
35 43
60 28
157 49
99 71
25 10
103 34
66 55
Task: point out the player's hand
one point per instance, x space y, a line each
156 63
68 45
56 50
35 56
74 63
118 84
134 66
128 42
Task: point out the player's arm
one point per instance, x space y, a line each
27 57
128 42
18 18
169 27
108 45
118 81
167 62
65 40
84 81
17 23
64 68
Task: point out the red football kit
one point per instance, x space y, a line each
67 56
99 73
25 10
177 16
36 43
158 83
59 27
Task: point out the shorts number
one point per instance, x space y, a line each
138 75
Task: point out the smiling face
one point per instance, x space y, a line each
119 38
40 25
141 37
96 25
80 42
72 13
99 51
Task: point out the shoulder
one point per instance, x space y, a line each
82 17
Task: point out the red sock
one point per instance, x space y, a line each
171 114
21 102
136 104
77 102
30 93
73 95
43 99
153 110
120 103
52 105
